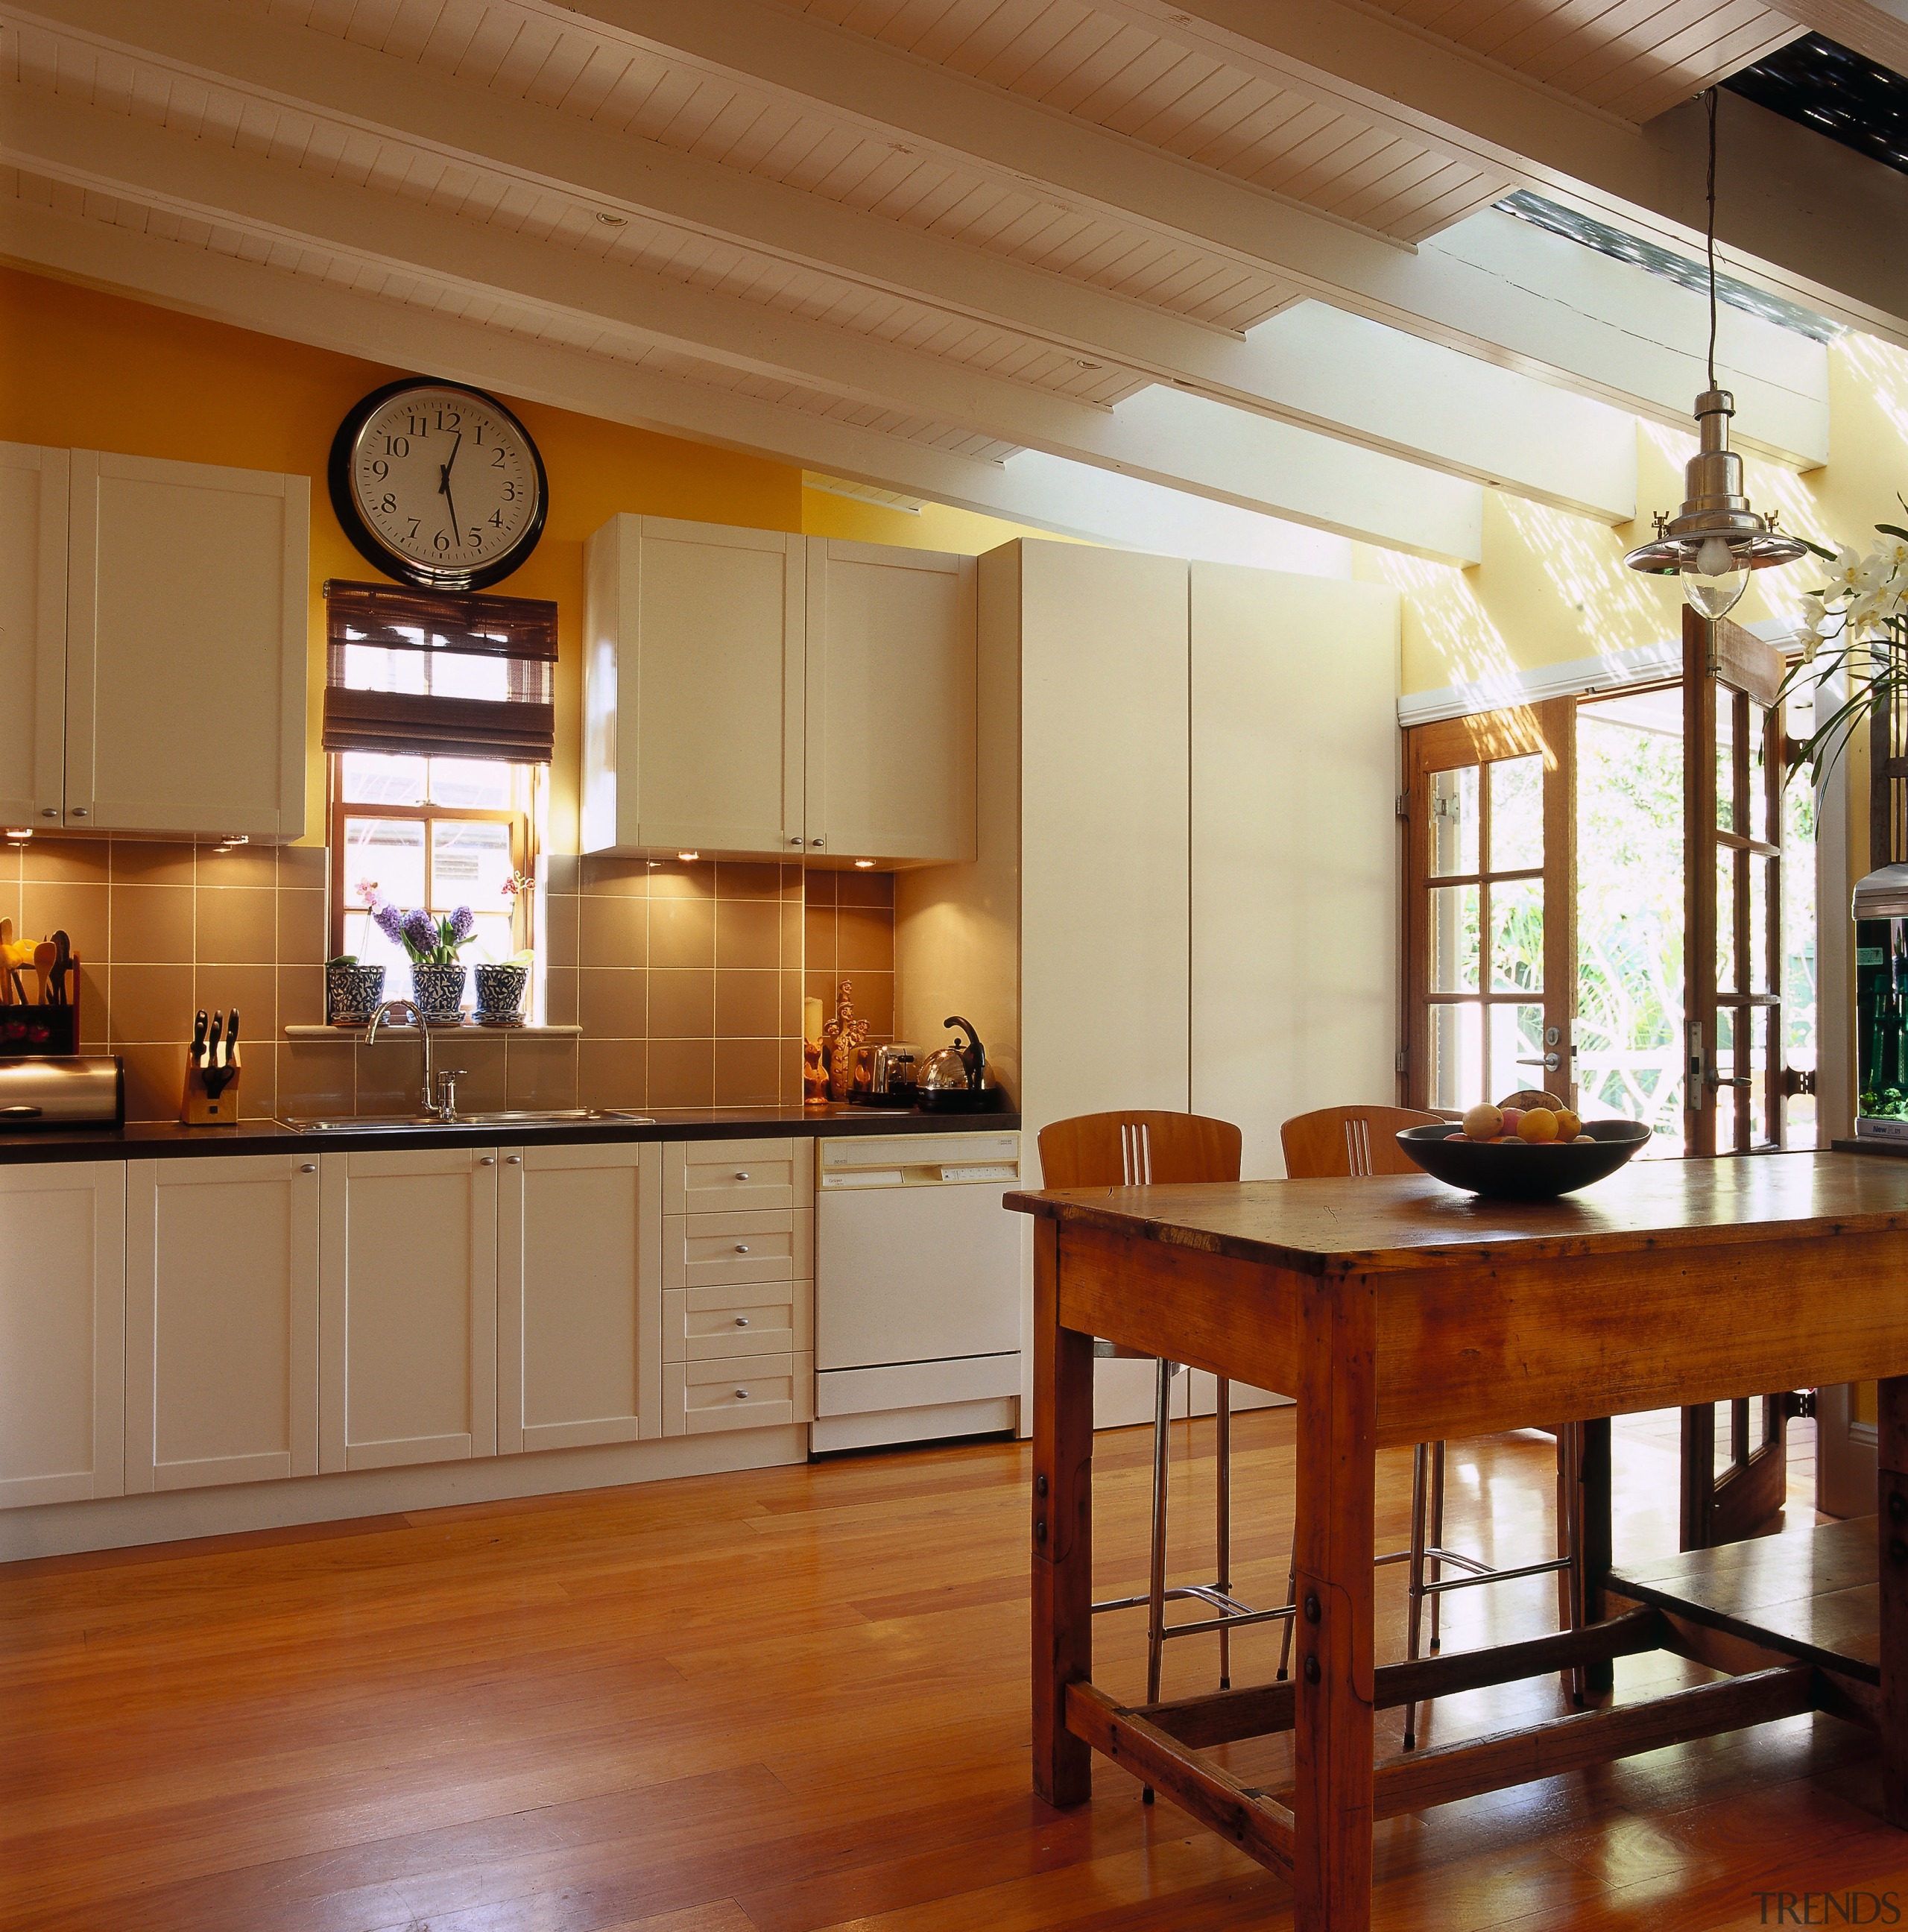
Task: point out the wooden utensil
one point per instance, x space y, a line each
44 955
62 966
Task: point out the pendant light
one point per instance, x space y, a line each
1716 539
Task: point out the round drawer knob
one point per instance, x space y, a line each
742 1247
741 1322
741 1395
513 1160
740 1175
309 1167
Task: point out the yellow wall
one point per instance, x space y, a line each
82 369
1553 586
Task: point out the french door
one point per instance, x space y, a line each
1736 1092
1490 919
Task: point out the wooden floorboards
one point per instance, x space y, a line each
796 1700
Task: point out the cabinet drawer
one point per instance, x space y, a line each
768 1244
706 1323
709 1176
753 1392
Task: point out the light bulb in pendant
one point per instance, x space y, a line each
1714 578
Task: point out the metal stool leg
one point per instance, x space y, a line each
1437 1535
1292 1603
1156 1606
1223 1450
1414 1584
1570 1543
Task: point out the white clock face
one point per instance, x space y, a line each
444 479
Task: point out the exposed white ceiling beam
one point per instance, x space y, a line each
1258 464
1876 28
1087 166
1050 494
1397 394
1799 210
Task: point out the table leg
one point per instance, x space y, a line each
1332 1745
1063 1529
1891 1483
1595 1549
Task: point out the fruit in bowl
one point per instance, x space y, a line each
1530 1146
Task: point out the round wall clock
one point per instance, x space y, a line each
438 484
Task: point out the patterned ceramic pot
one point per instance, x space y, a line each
352 993
438 992
500 994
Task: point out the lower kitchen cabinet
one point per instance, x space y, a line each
578 1306
407 1307
748 1392
62 1332
221 1320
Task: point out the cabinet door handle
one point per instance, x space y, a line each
818 844
741 1395
53 811
742 1247
796 839
79 811
741 1322
513 1160
486 1160
740 1175
308 1167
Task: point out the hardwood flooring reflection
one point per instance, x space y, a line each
796 1700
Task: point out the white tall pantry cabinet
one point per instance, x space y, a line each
1186 896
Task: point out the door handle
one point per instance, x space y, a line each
1549 1063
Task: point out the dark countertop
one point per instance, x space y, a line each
166 1139
1895 1150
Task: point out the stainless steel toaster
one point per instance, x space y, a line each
74 1090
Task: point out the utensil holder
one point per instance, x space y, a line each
212 1095
34 1032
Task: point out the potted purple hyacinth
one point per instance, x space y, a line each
432 942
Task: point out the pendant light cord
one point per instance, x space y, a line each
1711 237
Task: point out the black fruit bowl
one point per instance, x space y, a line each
1520 1173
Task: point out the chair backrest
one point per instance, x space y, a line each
1341 1143
1138 1148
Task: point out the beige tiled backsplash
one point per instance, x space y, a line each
686 978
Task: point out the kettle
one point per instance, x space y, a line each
953 1081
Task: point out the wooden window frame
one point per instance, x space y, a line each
522 848
1546 729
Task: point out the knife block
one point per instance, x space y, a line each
201 1108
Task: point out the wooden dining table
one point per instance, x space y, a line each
1397 1310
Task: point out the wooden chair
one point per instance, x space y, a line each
1140 1149
1349 1143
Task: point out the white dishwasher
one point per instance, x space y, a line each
917 1288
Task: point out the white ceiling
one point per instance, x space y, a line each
1240 253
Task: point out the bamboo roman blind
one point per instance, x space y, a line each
439 674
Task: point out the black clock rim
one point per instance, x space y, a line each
372 548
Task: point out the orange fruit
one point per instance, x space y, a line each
1536 1125
1568 1125
1483 1124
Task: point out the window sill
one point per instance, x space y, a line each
357 1033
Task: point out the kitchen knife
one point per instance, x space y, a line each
196 1055
231 1037
212 1040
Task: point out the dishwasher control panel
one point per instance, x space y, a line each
918 1160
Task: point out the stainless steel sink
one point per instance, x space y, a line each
508 1116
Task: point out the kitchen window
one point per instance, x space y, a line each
438 832
438 719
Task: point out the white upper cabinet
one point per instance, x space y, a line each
747 693
891 702
187 595
33 492
153 620
692 688
221 1320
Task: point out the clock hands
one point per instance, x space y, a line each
444 490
